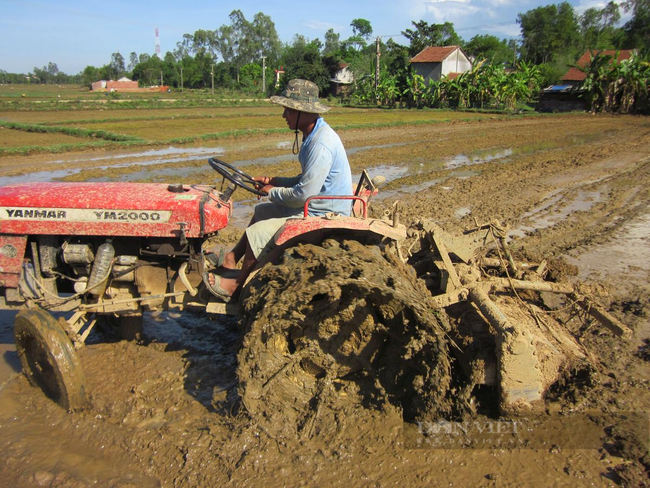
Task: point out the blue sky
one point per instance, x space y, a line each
74 34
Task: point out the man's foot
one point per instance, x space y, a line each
220 287
229 261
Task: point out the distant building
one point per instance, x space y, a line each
123 85
342 80
567 96
436 62
575 76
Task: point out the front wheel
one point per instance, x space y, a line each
49 359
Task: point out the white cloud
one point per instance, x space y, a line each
586 4
450 11
322 26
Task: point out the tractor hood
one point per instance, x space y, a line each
118 209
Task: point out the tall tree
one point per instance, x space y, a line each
597 27
302 59
332 43
549 31
361 28
201 42
490 48
361 32
637 29
133 61
117 65
425 35
243 42
266 41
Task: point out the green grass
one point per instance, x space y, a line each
70 131
62 148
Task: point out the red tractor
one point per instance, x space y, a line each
113 251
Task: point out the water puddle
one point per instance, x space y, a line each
150 153
9 363
539 218
167 173
486 156
628 254
479 157
146 158
355 150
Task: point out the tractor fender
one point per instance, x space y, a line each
303 226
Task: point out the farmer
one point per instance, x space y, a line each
325 171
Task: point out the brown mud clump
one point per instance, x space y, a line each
337 333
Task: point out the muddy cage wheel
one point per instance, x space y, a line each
49 359
336 328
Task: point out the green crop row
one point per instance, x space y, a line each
70 131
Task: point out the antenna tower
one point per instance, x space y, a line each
157 43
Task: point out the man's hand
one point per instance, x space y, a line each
265 182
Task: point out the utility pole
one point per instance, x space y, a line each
181 79
161 78
213 79
377 71
264 75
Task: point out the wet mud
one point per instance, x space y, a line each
336 332
170 411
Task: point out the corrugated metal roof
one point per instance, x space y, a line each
433 54
574 74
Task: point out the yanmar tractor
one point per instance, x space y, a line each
346 313
112 251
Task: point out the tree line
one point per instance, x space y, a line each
233 55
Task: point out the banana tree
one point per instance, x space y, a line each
388 91
415 90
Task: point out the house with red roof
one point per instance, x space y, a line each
436 62
575 76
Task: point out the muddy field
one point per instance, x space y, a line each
572 189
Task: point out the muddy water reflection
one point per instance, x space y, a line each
166 173
541 218
629 253
9 363
153 157
145 155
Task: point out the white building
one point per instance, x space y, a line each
435 62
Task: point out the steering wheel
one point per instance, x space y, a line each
237 176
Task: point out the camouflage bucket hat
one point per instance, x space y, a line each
301 95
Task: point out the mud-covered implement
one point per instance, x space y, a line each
344 315
529 350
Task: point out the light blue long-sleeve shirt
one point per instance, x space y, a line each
325 171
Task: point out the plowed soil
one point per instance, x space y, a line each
573 190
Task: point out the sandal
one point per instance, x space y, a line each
215 288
